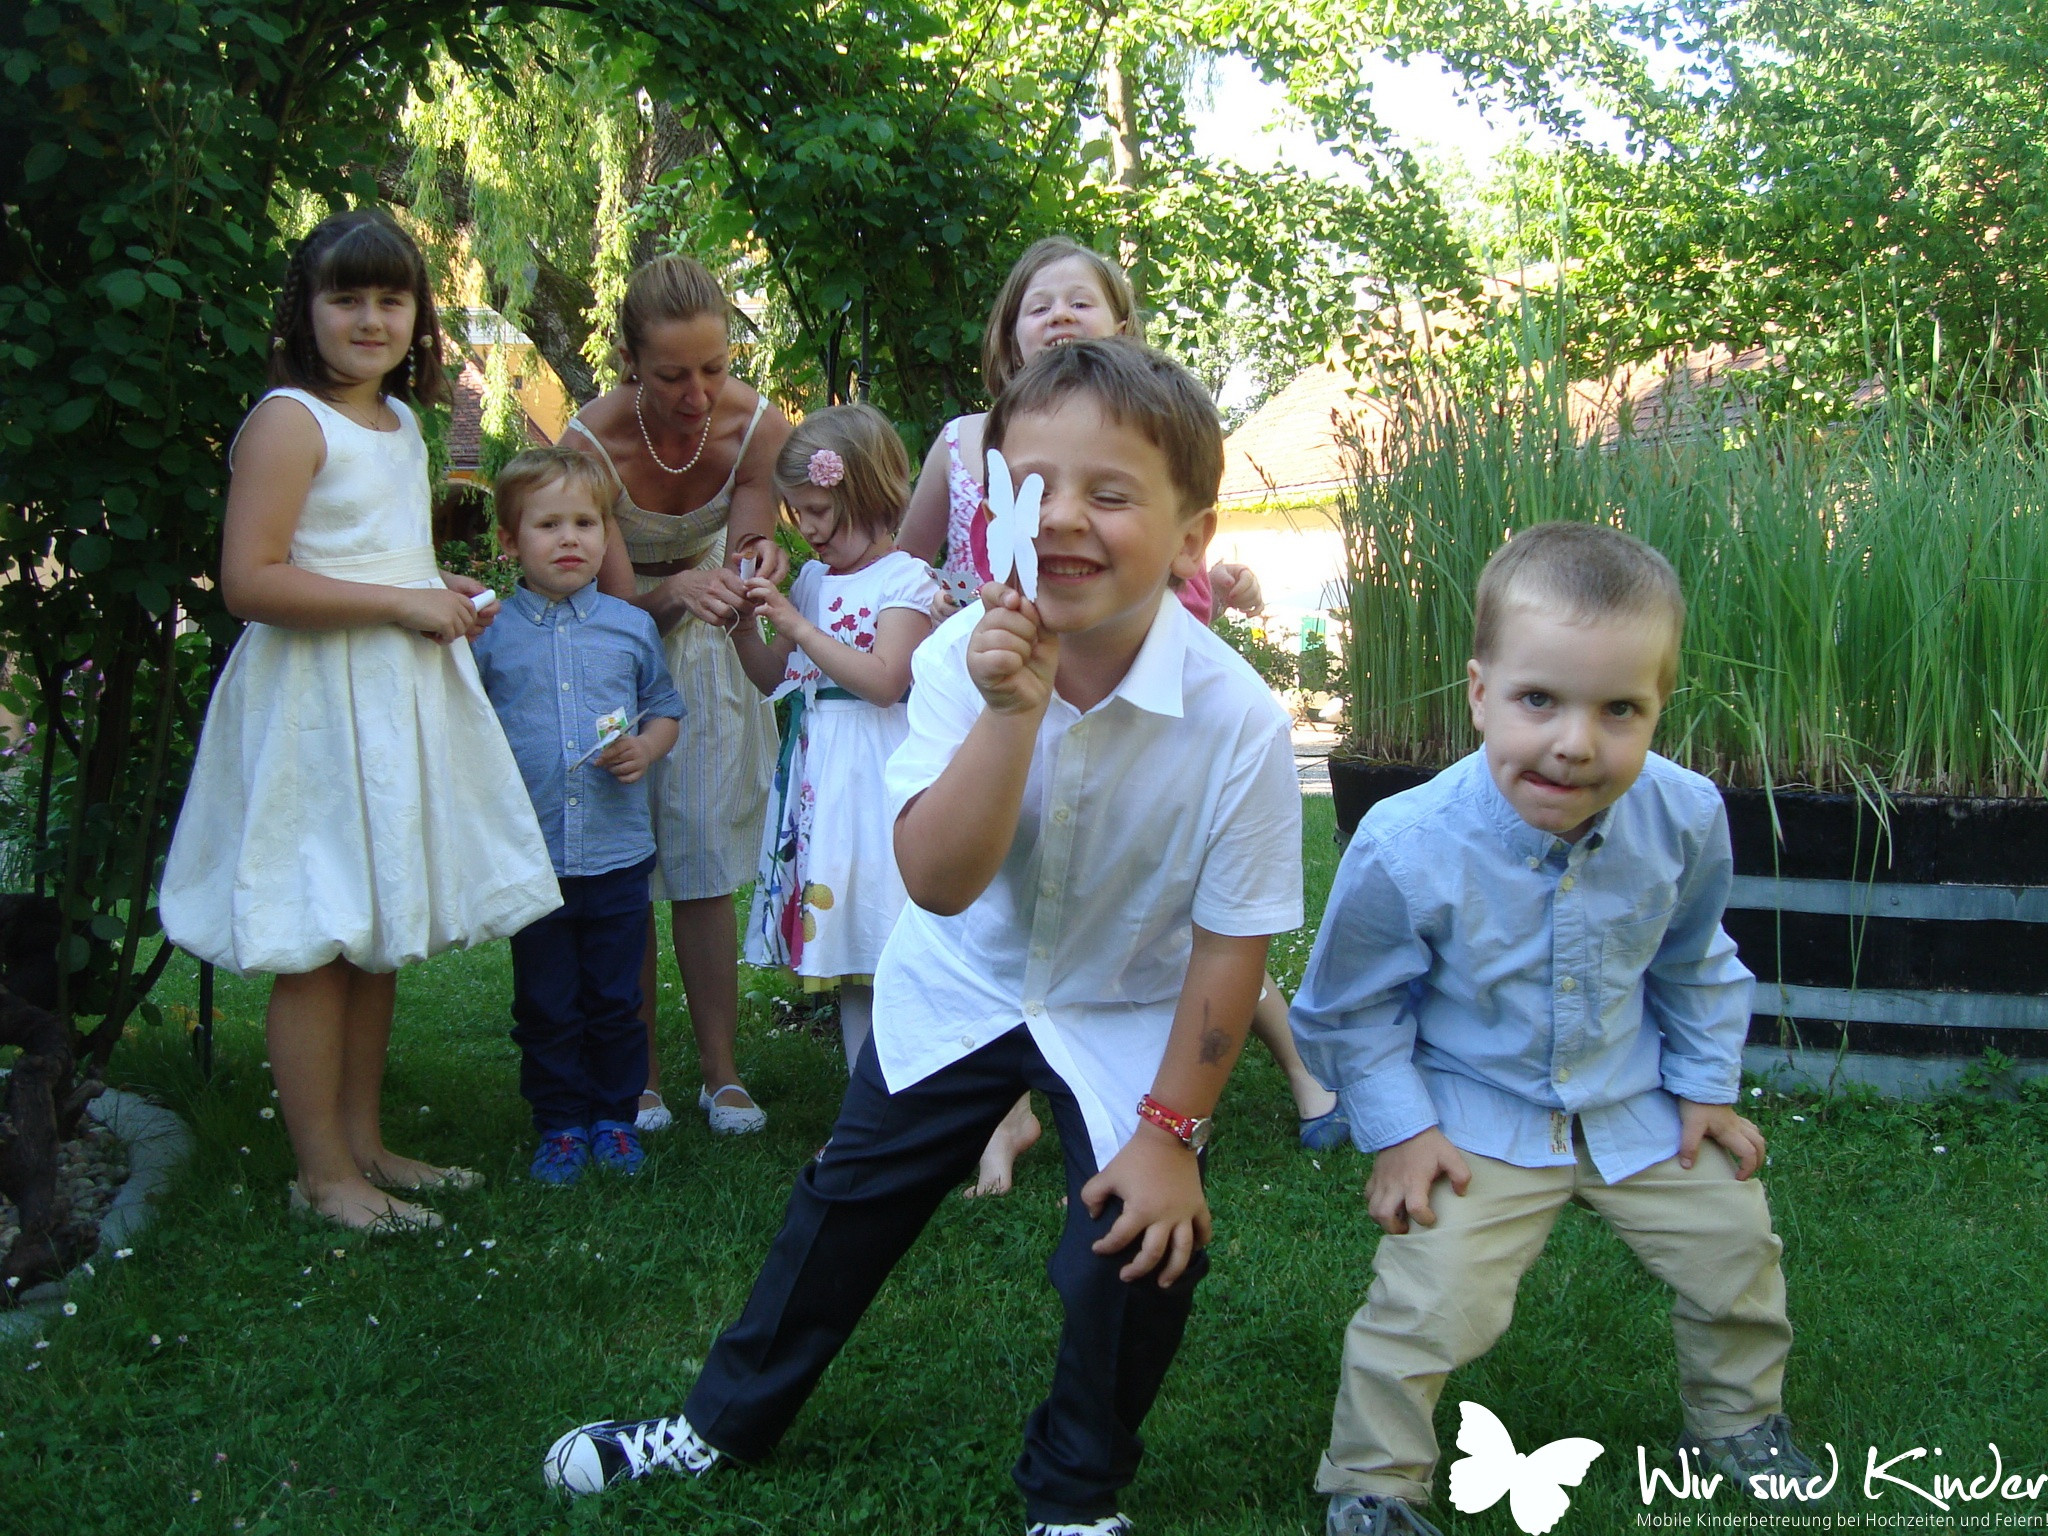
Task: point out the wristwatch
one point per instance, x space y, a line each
1192 1131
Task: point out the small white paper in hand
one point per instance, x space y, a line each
482 600
1014 524
748 565
609 729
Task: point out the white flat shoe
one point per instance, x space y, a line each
653 1117
732 1119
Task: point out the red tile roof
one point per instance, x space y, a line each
466 422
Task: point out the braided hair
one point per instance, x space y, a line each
363 248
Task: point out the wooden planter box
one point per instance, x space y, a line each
1892 953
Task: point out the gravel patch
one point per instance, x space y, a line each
91 1168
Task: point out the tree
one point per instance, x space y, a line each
139 251
1856 185
544 171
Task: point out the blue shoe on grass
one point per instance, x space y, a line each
562 1156
615 1144
1327 1131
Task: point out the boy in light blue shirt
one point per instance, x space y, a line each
1523 995
584 694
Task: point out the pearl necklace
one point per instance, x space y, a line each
703 438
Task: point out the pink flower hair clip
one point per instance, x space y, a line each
826 468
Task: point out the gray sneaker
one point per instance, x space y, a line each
1767 1448
1374 1514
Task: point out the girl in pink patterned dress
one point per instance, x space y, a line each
828 890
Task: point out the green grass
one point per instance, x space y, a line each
1915 1281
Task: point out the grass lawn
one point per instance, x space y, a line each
244 1371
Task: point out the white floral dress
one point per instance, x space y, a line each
828 890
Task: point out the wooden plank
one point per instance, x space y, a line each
1957 1010
1951 903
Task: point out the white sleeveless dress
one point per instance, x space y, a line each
709 794
353 793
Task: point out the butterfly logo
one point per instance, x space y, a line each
1013 524
1534 1485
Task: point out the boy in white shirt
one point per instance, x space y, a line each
1099 828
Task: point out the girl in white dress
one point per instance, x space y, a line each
353 805
828 891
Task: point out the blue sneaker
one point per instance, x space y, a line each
615 1144
1326 1131
562 1157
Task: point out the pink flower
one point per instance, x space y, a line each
826 468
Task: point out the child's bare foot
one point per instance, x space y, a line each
388 1170
358 1206
1312 1100
1018 1133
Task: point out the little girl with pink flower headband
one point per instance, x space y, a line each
828 891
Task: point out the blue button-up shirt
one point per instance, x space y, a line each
1477 974
553 670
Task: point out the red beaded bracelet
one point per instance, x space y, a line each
1191 1131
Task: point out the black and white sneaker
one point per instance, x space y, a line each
1108 1525
592 1457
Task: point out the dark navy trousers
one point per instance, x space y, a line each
856 1210
576 1002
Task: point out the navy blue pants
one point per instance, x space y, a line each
856 1210
576 1002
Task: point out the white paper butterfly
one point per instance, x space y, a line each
1015 525
1534 1484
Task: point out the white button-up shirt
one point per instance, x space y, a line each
1170 803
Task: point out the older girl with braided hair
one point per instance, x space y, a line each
353 805
828 890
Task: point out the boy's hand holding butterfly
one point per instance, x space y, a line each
1012 657
952 838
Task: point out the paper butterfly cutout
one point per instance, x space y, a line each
1534 1485
1013 525
962 587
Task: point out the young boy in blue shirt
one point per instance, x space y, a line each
1099 828
1523 995
567 668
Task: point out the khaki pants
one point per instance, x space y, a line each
1442 1295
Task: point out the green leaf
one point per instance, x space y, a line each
126 391
152 596
42 161
108 927
163 284
72 414
124 289
90 553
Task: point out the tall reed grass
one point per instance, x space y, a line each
1869 601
